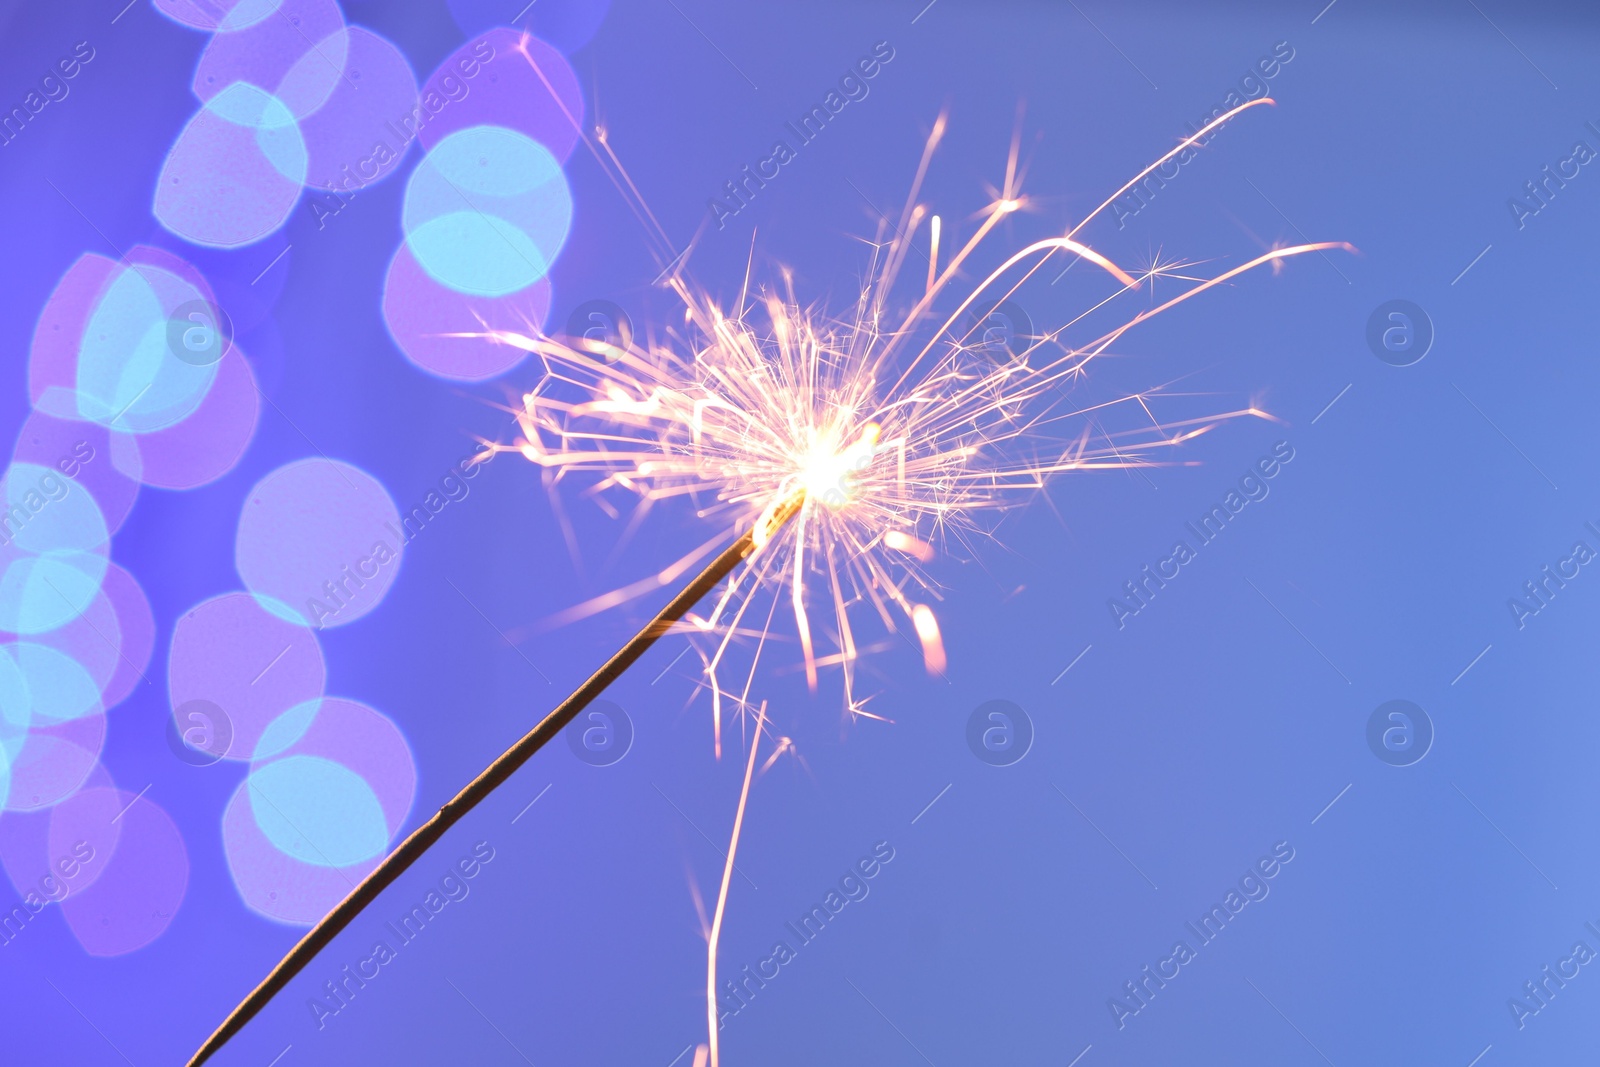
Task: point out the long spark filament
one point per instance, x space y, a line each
722 893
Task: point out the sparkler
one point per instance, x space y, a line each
886 436
897 435
841 449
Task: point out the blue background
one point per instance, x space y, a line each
1220 720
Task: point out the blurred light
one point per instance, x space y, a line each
504 78
334 784
81 834
319 541
235 171
251 663
140 889
128 377
363 130
50 768
112 638
422 314
355 736
206 445
298 56
487 211
59 688
53 545
317 811
58 335
53 852
225 15
80 451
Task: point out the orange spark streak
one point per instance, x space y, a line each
928 631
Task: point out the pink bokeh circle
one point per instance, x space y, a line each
235 171
51 853
333 734
206 445
141 888
264 53
224 15
319 540
505 78
360 135
251 663
112 638
82 451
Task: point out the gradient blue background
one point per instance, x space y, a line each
1220 721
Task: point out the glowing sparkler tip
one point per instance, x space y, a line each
827 471
780 511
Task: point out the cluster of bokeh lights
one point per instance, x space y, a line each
137 381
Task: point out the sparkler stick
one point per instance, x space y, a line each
424 837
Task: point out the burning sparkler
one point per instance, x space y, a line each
839 451
885 434
895 431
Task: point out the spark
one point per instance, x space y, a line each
727 878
